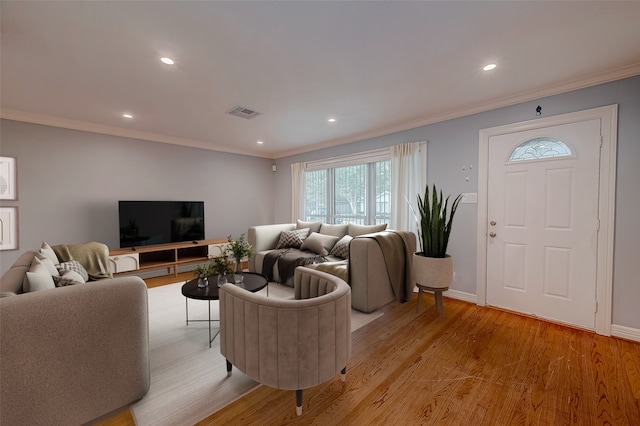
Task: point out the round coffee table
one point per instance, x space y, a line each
252 282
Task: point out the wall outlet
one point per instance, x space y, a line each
469 198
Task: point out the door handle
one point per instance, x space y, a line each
492 234
492 223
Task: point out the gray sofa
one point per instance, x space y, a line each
370 274
73 354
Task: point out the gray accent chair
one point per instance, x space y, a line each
289 344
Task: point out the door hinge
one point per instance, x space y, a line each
596 306
601 141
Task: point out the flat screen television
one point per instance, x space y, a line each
158 222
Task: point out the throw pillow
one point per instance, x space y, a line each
319 243
74 265
53 271
335 230
313 226
292 239
355 230
38 277
46 250
341 249
68 278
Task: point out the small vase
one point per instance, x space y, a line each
203 282
222 279
238 267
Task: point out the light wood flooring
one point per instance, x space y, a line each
479 366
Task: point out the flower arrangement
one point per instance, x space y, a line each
239 248
202 271
220 266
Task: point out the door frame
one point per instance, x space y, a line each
606 202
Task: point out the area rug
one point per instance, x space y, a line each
188 379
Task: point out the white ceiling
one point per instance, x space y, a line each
376 67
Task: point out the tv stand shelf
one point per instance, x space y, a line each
170 256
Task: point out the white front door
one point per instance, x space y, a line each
542 211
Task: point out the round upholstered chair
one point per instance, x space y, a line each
291 344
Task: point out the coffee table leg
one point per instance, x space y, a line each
186 308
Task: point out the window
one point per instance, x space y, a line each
352 189
540 148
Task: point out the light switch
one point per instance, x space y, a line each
469 198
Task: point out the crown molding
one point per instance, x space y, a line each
525 96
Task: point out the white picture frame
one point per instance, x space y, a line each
8 178
8 228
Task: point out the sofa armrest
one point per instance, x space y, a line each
265 237
72 354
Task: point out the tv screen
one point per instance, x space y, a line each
157 222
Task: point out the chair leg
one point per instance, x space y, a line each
229 368
299 402
419 297
344 374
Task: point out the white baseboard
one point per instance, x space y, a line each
620 331
625 332
461 295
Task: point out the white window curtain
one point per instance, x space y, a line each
408 178
297 190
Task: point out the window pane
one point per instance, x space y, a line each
350 194
383 192
537 148
316 196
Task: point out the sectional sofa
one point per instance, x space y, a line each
376 262
70 354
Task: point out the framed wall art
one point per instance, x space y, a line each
8 228
8 179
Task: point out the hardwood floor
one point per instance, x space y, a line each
479 366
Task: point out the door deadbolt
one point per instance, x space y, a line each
492 223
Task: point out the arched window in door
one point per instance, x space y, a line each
540 148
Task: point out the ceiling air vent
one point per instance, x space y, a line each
243 112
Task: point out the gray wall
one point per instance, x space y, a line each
70 181
69 184
453 144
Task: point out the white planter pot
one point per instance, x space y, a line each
434 272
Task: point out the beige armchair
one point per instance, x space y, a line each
288 344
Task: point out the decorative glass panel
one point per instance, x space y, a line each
539 148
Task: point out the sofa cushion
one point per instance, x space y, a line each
293 239
341 248
46 250
335 230
313 226
38 277
68 278
319 243
53 271
355 230
14 279
73 265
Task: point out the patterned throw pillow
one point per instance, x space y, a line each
341 249
68 278
74 265
293 239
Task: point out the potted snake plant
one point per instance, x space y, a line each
432 265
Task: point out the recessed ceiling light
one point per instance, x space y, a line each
331 120
127 115
260 142
489 67
167 61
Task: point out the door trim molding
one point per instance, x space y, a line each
606 204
